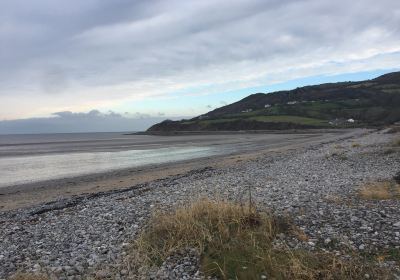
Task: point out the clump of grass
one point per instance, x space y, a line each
355 145
236 242
391 254
28 276
331 198
197 225
380 191
338 155
396 143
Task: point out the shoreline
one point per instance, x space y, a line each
30 194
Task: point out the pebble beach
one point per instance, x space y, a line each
88 235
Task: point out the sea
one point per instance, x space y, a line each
33 158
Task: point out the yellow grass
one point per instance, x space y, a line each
29 276
236 242
380 191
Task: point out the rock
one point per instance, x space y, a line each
397 177
102 274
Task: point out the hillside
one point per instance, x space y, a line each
367 103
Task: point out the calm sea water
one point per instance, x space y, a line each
33 158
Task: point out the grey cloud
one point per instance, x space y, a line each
88 115
92 121
50 47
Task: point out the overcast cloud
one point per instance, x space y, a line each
93 121
77 55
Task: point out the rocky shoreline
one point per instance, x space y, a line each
315 186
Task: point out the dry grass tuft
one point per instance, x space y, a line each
236 242
338 155
396 143
197 225
29 276
380 191
334 199
355 145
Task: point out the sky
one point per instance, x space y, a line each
70 65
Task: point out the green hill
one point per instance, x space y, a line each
368 103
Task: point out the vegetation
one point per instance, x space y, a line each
291 119
355 145
29 276
380 191
236 242
368 103
396 143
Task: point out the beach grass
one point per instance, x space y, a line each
396 143
380 191
355 145
29 276
237 242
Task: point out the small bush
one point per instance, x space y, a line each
236 242
339 155
380 191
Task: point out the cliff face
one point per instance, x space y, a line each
368 103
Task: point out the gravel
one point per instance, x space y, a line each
317 187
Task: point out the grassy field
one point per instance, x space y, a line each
273 119
291 119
